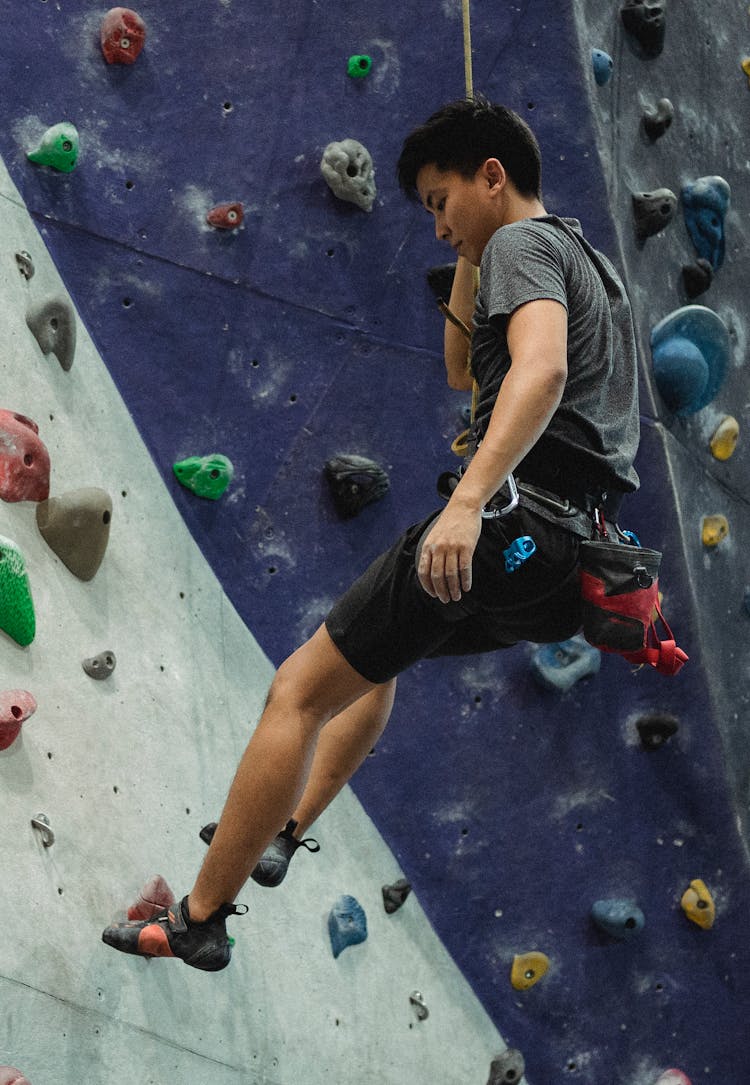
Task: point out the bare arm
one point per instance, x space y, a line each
461 304
529 396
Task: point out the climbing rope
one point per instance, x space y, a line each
461 444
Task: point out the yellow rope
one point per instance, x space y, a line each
468 77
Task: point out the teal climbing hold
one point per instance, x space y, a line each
621 919
358 66
705 204
560 665
206 476
17 617
57 148
347 924
603 66
690 349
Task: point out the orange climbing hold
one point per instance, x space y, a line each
698 904
123 35
155 896
528 969
16 706
10 1076
226 216
24 460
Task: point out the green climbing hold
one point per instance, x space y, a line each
16 607
58 148
358 66
206 476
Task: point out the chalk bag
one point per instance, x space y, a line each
620 596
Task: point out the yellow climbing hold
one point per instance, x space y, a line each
714 529
746 66
698 904
528 969
724 440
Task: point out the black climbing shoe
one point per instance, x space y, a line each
271 868
273 864
172 933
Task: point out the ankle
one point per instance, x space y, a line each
197 911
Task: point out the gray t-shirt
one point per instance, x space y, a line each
592 438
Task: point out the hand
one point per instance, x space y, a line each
444 568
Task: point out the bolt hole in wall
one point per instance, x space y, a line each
129 185
127 302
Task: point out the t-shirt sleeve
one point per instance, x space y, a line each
520 264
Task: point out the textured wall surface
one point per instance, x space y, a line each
311 331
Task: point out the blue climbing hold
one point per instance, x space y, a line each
603 66
690 350
347 924
705 203
519 551
560 665
621 919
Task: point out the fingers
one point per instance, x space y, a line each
444 575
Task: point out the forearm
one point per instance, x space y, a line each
456 345
521 414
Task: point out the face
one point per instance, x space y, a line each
467 211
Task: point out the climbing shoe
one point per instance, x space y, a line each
172 933
271 868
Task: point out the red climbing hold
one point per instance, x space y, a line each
24 461
154 896
10 1076
16 705
673 1077
226 216
123 34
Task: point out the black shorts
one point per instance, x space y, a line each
386 621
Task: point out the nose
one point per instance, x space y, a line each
441 230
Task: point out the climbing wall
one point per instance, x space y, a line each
305 332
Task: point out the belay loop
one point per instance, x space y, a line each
620 601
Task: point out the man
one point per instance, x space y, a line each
553 356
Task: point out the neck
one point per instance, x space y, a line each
522 207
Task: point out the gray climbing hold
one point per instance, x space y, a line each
657 118
349 172
25 264
646 22
347 924
507 1069
53 325
705 203
101 666
416 998
76 527
653 211
395 895
697 277
621 919
354 482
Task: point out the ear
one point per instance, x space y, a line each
493 172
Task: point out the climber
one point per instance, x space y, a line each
553 357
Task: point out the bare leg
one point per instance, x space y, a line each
343 745
315 684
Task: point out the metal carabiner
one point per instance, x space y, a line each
494 514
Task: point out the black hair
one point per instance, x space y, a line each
464 134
